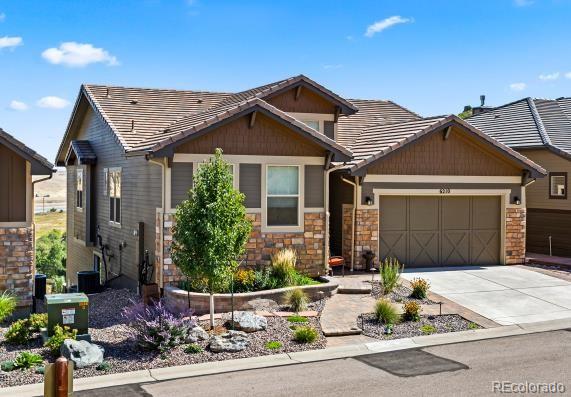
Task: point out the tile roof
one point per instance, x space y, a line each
40 165
371 112
529 123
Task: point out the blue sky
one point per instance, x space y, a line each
431 56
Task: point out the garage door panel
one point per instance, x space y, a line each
423 250
433 231
423 213
393 244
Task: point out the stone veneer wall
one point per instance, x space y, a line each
515 235
259 248
346 229
17 262
366 234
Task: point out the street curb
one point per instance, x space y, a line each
217 367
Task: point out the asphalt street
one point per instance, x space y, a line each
523 363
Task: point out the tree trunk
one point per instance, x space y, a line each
211 310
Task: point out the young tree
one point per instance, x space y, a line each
211 227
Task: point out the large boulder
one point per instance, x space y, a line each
196 334
248 322
231 342
263 305
82 353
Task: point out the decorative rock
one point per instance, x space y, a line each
82 353
232 341
248 322
263 305
196 334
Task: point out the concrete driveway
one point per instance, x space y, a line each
504 294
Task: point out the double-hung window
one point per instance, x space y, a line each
114 196
282 195
79 189
557 185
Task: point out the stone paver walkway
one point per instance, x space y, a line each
339 317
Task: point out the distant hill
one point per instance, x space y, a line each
55 188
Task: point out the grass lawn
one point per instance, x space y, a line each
48 221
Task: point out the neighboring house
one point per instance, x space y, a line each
18 164
452 194
540 129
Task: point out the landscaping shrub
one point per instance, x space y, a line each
28 360
305 334
385 312
37 321
428 329
244 280
193 348
473 326
19 332
156 327
411 311
283 267
7 366
296 299
7 305
58 285
273 345
390 271
302 279
60 334
104 366
420 288
297 319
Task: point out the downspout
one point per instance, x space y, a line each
161 229
353 216
328 214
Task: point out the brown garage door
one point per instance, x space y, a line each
440 231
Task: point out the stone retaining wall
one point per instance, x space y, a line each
17 262
200 303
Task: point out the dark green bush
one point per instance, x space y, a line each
28 360
19 332
385 312
7 366
104 366
305 334
193 348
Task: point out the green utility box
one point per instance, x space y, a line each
70 310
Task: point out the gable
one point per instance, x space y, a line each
308 101
459 154
266 138
13 179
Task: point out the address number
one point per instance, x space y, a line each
444 191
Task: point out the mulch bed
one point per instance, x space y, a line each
107 329
400 294
443 324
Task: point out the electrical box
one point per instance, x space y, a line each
70 310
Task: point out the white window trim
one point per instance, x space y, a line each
235 171
113 223
79 170
300 195
319 117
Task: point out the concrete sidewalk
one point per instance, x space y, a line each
217 367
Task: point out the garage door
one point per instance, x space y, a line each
440 231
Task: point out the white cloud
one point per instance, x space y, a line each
74 54
17 105
333 66
549 76
518 86
523 3
10 42
568 75
52 102
379 26
2 17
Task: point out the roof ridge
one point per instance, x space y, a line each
543 134
157 89
500 107
407 121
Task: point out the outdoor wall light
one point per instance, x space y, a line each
517 201
368 200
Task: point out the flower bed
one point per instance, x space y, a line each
199 302
108 329
406 329
400 294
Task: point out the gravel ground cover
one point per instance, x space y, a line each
400 294
108 330
443 324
